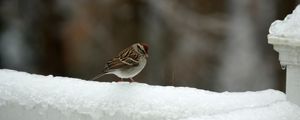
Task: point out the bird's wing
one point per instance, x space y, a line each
125 59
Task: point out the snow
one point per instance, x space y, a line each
287 28
285 38
36 97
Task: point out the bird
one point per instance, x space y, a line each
128 63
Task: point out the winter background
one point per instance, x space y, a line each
212 45
207 44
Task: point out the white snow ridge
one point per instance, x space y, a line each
25 96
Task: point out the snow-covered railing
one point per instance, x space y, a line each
25 96
285 37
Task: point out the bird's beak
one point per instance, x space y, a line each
147 55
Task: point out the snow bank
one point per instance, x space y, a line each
288 28
26 96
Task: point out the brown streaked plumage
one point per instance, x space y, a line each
128 63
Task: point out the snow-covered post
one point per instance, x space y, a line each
285 37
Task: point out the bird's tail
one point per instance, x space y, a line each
98 76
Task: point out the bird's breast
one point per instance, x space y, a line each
132 71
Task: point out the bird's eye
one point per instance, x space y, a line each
141 50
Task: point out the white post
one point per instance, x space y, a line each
285 37
289 56
293 83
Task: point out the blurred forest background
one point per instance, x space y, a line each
218 45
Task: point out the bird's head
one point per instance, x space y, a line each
142 48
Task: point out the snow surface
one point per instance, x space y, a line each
25 96
287 28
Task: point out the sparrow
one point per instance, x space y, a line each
128 63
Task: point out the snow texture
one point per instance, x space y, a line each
289 27
25 96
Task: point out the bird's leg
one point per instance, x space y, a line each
131 79
120 80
